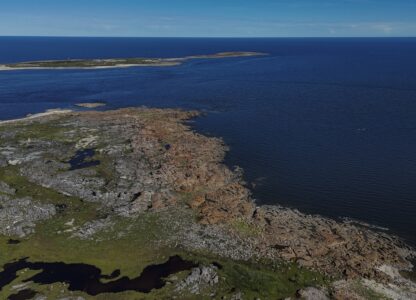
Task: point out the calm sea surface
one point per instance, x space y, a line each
327 126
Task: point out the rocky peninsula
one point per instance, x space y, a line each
118 62
138 195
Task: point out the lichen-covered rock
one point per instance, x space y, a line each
18 216
6 189
199 279
330 246
312 293
91 228
3 163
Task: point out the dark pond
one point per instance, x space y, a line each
82 159
87 278
13 242
23 295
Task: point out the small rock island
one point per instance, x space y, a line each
90 104
134 204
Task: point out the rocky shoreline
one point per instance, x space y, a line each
130 163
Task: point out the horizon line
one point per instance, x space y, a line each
213 37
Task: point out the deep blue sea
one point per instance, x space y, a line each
327 126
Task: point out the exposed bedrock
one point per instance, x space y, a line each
142 160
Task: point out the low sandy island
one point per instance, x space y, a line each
91 104
118 193
118 62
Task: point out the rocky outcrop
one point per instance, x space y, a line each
200 278
91 228
330 246
3 163
149 160
18 216
6 189
312 294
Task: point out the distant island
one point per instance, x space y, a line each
90 104
119 62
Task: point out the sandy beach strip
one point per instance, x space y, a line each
162 64
49 112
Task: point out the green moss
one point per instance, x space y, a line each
132 244
128 245
39 130
106 168
130 252
43 131
51 131
245 228
265 280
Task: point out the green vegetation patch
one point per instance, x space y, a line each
245 228
265 280
51 131
128 244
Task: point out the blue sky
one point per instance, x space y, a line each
218 18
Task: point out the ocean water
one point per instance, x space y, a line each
327 126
